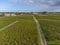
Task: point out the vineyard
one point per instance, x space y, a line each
51 27
23 32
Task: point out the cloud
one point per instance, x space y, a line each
29 1
45 2
51 2
38 2
48 5
57 3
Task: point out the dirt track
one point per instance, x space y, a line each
41 35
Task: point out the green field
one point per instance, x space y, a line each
22 29
24 32
50 25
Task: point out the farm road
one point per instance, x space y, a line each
42 39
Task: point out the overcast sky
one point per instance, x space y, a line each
29 5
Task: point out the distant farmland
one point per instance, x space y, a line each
22 29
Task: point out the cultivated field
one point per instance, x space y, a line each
27 29
50 25
18 30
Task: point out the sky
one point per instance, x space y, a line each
29 5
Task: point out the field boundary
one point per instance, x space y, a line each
50 19
40 33
8 25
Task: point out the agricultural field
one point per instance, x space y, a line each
22 29
18 30
50 25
